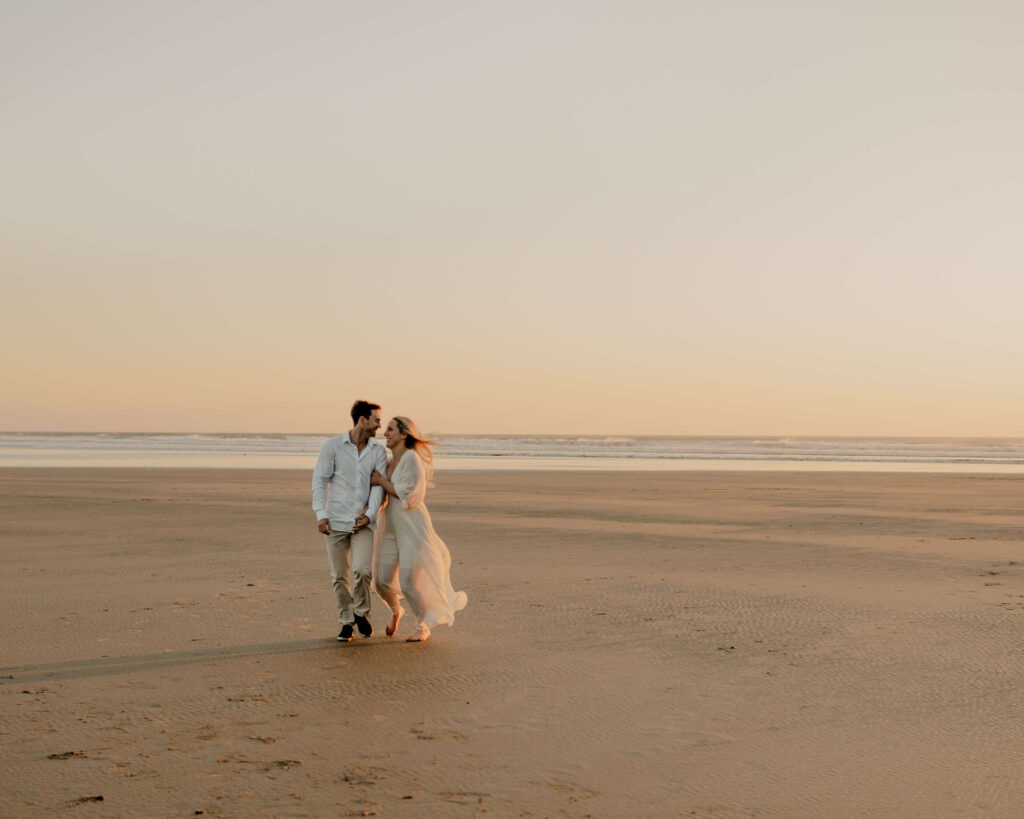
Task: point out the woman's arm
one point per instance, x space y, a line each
376 479
410 480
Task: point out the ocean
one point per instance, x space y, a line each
524 452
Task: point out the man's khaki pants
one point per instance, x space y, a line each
343 549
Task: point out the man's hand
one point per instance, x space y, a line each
323 526
361 523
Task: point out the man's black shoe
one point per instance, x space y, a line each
365 629
346 633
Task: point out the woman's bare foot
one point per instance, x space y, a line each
421 636
392 627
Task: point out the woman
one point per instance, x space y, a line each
407 545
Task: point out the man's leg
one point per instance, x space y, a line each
337 559
362 560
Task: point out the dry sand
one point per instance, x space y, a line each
685 644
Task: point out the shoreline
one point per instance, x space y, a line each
552 452
582 466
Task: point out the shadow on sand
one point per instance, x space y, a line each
73 669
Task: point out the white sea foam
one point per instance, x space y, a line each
299 451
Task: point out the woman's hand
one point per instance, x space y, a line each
376 479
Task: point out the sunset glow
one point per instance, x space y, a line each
653 217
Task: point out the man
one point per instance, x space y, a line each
346 510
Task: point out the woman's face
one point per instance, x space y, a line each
391 434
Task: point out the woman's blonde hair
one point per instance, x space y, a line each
414 440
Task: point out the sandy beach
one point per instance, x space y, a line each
657 644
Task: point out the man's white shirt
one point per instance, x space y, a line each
341 482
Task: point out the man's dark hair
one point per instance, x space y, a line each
362 409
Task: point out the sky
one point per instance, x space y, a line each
642 217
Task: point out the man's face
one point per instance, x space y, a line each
371 423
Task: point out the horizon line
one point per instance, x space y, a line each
887 436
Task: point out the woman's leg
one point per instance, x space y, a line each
385 578
409 572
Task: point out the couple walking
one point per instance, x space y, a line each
371 513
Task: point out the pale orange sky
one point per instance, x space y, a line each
591 217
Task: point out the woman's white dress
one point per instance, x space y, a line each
409 549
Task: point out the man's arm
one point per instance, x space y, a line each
376 492
322 473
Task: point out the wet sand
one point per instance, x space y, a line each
656 644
